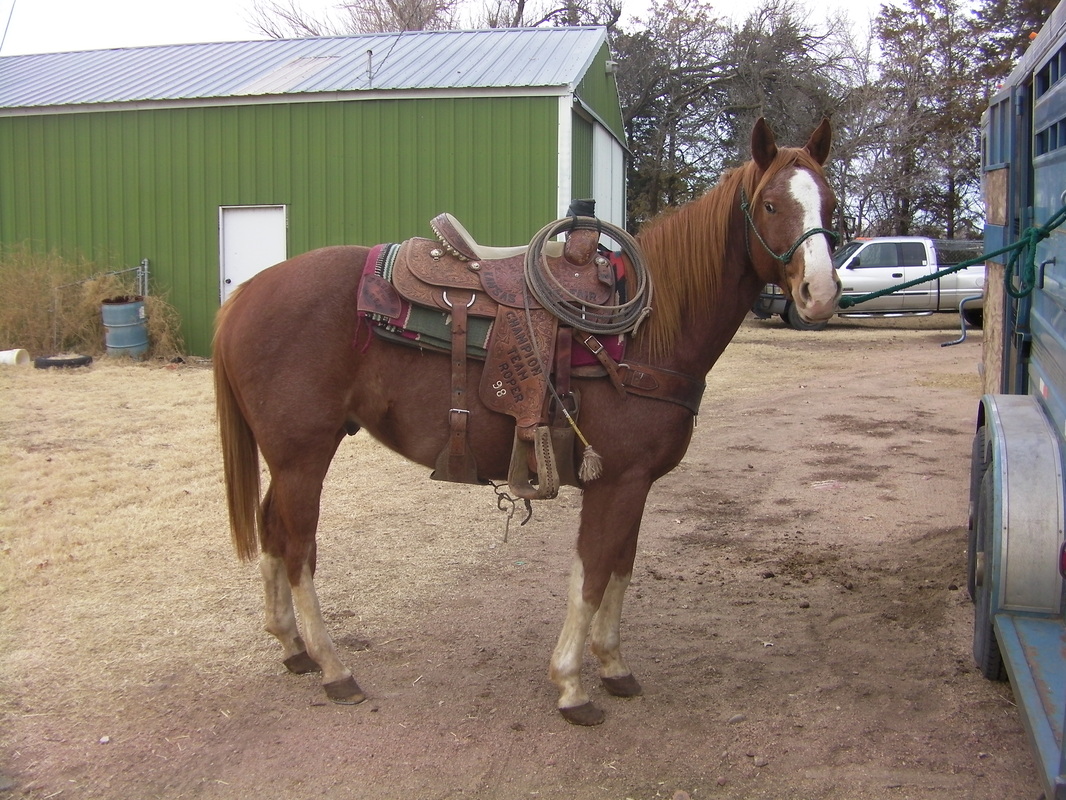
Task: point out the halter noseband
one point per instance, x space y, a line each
784 258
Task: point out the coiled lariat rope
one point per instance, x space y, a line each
583 315
1022 264
578 312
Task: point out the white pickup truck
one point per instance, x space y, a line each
871 265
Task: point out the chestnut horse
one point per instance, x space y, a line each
290 384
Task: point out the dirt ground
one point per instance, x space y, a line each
798 615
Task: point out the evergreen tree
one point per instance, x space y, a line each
1004 28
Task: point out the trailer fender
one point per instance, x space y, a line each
1026 520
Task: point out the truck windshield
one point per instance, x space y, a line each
842 255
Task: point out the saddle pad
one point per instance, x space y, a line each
394 318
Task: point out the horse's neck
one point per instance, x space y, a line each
705 328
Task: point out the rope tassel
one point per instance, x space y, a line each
591 462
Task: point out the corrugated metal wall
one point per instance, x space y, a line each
600 92
582 158
125 185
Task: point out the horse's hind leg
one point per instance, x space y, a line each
280 616
337 679
290 518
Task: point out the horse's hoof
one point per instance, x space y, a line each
623 686
301 663
345 691
587 714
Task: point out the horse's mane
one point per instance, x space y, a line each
686 248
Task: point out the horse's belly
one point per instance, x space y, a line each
402 396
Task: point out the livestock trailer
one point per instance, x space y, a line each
1016 553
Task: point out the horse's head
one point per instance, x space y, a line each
789 218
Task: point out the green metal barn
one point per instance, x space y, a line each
213 161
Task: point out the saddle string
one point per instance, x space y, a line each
591 462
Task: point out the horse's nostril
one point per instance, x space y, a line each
805 291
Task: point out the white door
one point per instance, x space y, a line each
251 238
608 177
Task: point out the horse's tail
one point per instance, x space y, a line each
240 456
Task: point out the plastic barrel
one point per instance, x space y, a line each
125 327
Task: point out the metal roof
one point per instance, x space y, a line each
505 58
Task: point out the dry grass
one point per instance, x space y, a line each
133 663
49 305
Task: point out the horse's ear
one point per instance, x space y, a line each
818 144
763 144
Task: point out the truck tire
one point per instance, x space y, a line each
794 320
978 468
975 317
986 652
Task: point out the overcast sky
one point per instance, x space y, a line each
50 26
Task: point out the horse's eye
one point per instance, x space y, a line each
769 208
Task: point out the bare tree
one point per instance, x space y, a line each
282 19
374 16
669 83
524 14
857 133
786 69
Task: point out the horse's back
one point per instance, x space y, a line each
295 307
286 341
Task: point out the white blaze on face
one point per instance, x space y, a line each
819 298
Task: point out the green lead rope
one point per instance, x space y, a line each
1022 264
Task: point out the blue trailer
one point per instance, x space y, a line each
1016 551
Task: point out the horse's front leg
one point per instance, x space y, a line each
607 542
606 640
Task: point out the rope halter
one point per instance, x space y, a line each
786 257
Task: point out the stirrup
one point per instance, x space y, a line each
519 477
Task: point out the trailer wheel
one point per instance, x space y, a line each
985 647
978 468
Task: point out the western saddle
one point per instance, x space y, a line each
526 350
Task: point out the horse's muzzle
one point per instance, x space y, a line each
816 301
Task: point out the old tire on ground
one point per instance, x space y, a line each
64 361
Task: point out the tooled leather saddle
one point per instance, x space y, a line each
472 301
